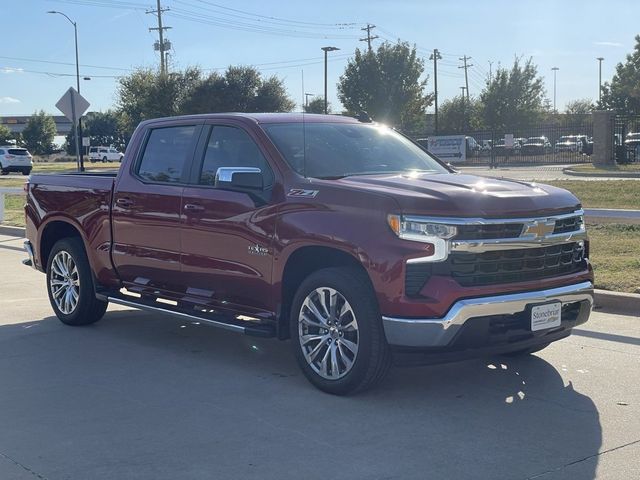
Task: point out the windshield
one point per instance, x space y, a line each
343 149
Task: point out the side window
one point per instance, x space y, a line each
232 147
165 154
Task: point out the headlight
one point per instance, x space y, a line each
419 230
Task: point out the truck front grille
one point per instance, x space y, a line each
498 267
489 231
569 224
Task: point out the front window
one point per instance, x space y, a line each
334 150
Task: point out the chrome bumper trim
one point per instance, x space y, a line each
438 332
479 246
31 261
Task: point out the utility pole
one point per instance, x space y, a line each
600 59
466 78
161 46
464 108
555 70
435 56
490 64
369 37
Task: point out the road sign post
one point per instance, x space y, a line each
73 105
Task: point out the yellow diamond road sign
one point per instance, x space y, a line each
72 104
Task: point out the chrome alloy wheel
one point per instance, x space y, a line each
64 282
328 333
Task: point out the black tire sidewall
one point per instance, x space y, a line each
355 288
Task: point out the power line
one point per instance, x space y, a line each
103 67
435 56
162 46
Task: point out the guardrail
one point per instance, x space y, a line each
10 191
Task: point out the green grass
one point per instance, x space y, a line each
614 253
68 167
634 168
14 210
603 193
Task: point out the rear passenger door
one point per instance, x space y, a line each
227 235
147 208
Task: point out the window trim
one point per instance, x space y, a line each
201 151
187 166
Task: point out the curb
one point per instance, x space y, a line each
12 231
574 173
617 302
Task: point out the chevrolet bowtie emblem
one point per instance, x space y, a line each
540 229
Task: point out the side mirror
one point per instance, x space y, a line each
241 178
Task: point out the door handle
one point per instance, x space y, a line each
124 202
193 208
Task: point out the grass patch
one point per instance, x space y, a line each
614 253
14 210
603 193
69 167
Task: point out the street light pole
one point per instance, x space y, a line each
326 50
600 59
555 70
79 153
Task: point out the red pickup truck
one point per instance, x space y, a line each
339 234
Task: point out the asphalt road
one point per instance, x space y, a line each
138 396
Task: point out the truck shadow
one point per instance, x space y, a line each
145 396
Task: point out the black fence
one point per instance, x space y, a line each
626 138
565 141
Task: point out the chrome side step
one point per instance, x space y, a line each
254 330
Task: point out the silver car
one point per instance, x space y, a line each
15 159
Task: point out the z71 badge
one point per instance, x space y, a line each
301 192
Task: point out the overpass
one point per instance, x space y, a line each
16 123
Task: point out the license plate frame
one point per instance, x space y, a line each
545 316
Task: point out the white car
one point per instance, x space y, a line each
15 159
105 154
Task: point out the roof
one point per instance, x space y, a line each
269 117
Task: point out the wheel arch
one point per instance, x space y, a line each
301 263
53 231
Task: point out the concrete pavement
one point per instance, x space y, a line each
138 396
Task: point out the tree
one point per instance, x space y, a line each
317 106
38 133
148 94
102 127
459 116
387 84
240 89
5 135
514 98
623 92
581 106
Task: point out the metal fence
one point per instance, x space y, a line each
626 138
564 140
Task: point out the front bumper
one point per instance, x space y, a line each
441 332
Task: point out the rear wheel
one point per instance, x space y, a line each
70 284
337 333
104 159
26 172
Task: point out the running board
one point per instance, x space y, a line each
253 330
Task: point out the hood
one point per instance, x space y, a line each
467 195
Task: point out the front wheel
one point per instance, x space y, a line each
70 284
337 332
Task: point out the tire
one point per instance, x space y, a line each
355 369
72 266
26 172
526 351
104 159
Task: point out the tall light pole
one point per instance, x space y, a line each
435 56
600 59
555 70
326 50
79 155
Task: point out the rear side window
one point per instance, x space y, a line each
18 151
232 147
165 154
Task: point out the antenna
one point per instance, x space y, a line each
304 134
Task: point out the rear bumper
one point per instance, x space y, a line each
441 332
17 168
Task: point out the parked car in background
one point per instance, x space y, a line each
518 143
15 159
105 154
632 139
536 146
569 143
472 146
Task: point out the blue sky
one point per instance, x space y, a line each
114 35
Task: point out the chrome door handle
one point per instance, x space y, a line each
192 207
124 202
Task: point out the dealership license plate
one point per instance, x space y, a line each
546 316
